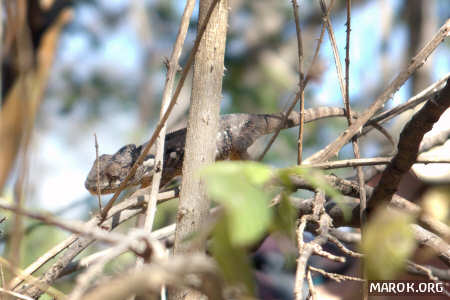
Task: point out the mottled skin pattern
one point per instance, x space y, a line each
237 132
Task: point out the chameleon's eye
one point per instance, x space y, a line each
113 170
113 179
110 177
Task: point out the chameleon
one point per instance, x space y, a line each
237 132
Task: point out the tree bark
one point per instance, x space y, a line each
201 132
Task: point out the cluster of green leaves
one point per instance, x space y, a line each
245 190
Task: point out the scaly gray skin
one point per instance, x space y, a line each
237 132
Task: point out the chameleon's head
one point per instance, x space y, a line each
111 170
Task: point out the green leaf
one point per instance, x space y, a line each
255 173
285 216
388 242
232 260
238 186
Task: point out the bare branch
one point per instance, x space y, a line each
167 92
150 246
300 80
440 247
194 271
334 276
75 244
351 189
160 234
333 148
99 197
347 163
298 94
423 96
342 247
51 290
431 272
312 289
408 147
17 295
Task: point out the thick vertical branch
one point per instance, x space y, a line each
201 131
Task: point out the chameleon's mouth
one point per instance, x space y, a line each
104 187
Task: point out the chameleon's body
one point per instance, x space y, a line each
237 132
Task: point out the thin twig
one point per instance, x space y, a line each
359 171
196 271
424 95
306 250
316 52
347 64
345 87
439 274
160 234
98 174
351 188
346 236
342 247
131 203
416 63
17 295
116 216
431 240
43 260
168 87
77 227
427 143
312 289
422 269
300 80
297 95
32 280
298 290
350 163
318 250
334 276
337 61
86 279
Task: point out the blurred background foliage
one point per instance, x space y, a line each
107 73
